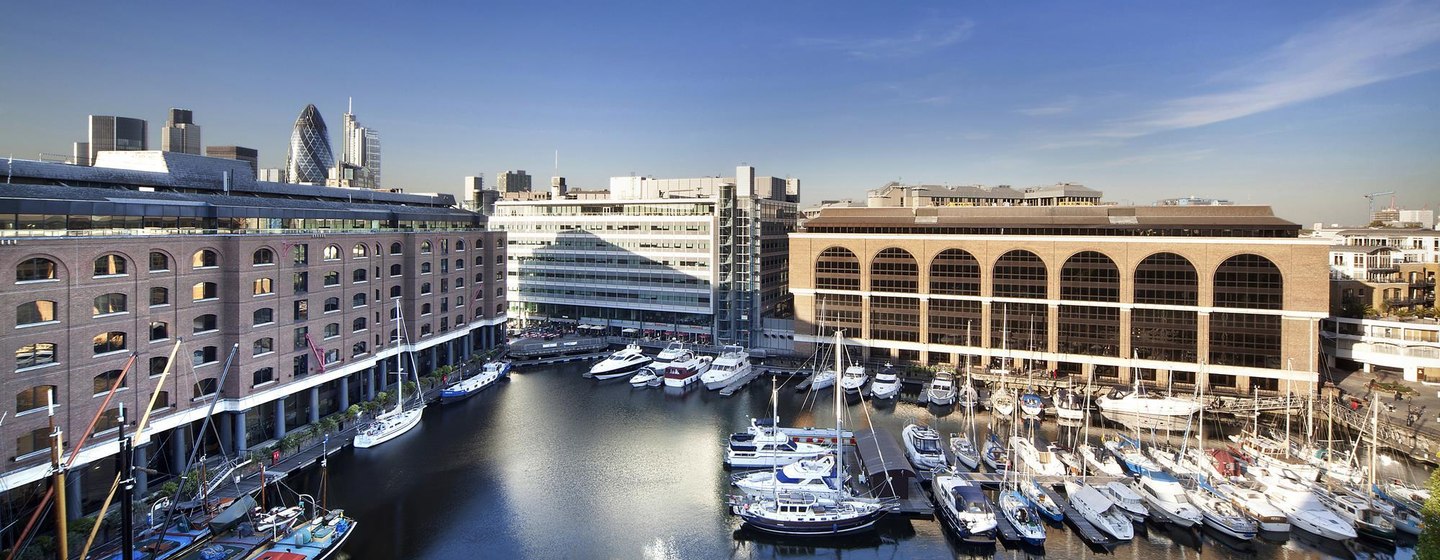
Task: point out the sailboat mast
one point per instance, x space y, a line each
56 450
1288 392
1201 434
1374 428
399 361
839 439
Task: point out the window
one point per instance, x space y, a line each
35 313
444 285
262 346
37 441
459 264
263 286
332 304
425 268
205 258
332 356
332 278
159 262
358 275
394 291
206 355
444 304
300 366
159 330
357 325
479 260
444 266
105 381
301 334
358 300
263 316
34 398
1166 279
159 296
835 269
206 387
357 349
444 324
425 329
1090 276
894 270
1020 274
955 272
459 283
107 304
394 270
360 251
302 309
459 302
1249 281
34 355
425 309
157 365
262 376
425 248
459 245
35 269
332 253
425 288
302 283
205 323
332 330
444 246
300 254
113 341
264 256
204 291
110 265
395 248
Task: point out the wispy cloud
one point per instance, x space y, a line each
1157 157
1343 54
1057 108
918 42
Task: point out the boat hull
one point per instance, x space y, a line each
409 419
618 371
813 528
881 390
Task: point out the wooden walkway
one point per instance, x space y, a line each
738 384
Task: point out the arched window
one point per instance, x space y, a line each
358 275
262 376
424 309
159 262
204 290
835 269
425 248
459 264
36 354
1085 329
360 251
332 253
332 304
394 270
894 270
332 330
262 346
263 316
264 256
206 387
1244 339
106 304
205 355
35 397
332 278
35 313
105 381
955 272
357 349
357 325
1165 334
113 341
459 245
35 269
459 283
1166 279
479 260
394 291
159 296
357 300
424 288
1020 274
205 323
159 330
1090 276
263 286
395 248
394 335
110 265
1250 282
205 258
425 268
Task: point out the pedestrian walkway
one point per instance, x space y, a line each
1415 413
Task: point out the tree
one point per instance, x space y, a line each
1429 546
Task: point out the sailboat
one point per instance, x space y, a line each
319 538
1017 511
1135 404
1099 510
993 453
396 421
962 444
1002 402
805 514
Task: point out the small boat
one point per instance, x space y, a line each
764 445
1222 515
1404 519
1127 450
964 508
671 352
623 362
1257 506
1039 462
1099 511
1367 521
1032 405
1303 508
993 454
319 539
1041 501
966 396
646 377
806 515
1129 503
1025 520
465 388
1135 401
886 384
1165 498
1002 402
966 456
823 379
854 379
1069 404
732 364
686 369
941 391
1099 461
814 476
922 446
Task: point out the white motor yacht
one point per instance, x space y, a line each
1099 511
686 369
964 508
1069 404
854 379
886 384
732 364
941 391
670 353
764 445
1165 498
815 476
1038 462
823 379
1135 402
922 445
1222 515
1257 506
1130 503
1099 461
1302 507
623 362
1367 521
646 376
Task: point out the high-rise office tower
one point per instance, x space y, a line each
116 133
81 154
359 154
249 155
181 133
310 158
512 181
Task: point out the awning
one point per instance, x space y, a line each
629 331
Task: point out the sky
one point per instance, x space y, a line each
1305 106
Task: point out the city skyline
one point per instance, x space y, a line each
1303 106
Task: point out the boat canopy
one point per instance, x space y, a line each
884 464
232 515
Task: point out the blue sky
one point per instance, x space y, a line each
1302 105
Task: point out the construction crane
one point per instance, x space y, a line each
1371 197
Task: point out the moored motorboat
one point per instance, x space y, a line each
1128 502
1257 506
318 539
941 390
922 446
1166 500
1356 510
1036 461
1135 401
822 379
764 445
1222 515
806 515
1099 511
854 379
646 377
993 453
964 508
686 370
489 373
814 476
733 363
1031 405
886 384
1039 499
623 362
1099 461
1069 404
1303 508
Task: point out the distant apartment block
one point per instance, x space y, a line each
512 181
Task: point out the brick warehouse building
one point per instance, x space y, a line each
1117 290
148 248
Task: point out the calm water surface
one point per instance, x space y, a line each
552 465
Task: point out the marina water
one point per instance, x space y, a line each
552 465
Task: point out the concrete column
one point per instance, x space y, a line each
242 446
142 478
434 353
371 380
74 486
344 393
226 433
1202 340
384 377
1052 335
179 449
314 404
280 418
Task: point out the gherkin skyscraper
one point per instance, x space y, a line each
310 159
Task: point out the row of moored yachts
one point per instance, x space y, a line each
674 366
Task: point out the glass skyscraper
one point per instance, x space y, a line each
310 158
